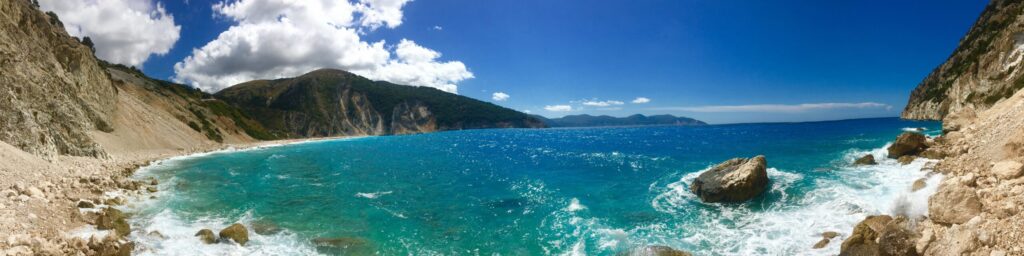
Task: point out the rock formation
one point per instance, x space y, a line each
907 144
868 159
236 232
735 180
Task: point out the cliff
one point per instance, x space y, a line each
984 68
331 102
633 120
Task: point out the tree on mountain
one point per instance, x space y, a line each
88 42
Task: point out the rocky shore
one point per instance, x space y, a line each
68 206
977 207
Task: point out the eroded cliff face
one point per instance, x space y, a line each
52 90
985 67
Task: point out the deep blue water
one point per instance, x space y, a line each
593 191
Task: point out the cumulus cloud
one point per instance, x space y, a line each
778 108
499 96
123 31
438 28
641 100
558 108
596 103
285 38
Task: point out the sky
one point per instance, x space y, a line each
717 61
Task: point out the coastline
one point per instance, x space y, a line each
40 210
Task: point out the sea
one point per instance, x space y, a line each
564 191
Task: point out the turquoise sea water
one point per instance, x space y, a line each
587 191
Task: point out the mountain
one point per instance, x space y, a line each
984 68
633 120
330 102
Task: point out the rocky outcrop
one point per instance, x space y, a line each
881 235
868 159
236 232
735 180
113 219
984 68
53 92
331 102
656 250
908 144
206 236
953 203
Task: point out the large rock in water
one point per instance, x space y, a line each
868 159
235 232
735 180
907 144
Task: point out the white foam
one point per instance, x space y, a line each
373 195
574 205
181 240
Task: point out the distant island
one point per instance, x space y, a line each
605 120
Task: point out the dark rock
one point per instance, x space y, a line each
868 159
236 232
113 219
829 234
206 235
151 189
821 244
656 250
85 204
265 227
343 245
907 144
862 240
735 180
918 184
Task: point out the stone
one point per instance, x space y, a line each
905 160
933 153
829 234
158 235
110 246
656 250
997 253
868 159
821 244
265 227
1008 169
919 184
957 240
927 236
897 239
85 204
907 144
862 240
35 192
151 189
344 245
236 232
735 180
953 203
207 236
113 219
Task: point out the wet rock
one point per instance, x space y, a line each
829 234
85 204
897 239
113 219
905 160
151 189
207 236
735 180
113 201
1007 169
157 234
265 227
821 243
868 159
919 184
111 246
343 245
656 250
863 239
236 232
907 144
953 203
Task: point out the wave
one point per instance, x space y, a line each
177 237
373 195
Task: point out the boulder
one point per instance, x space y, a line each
656 250
344 245
206 235
1007 169
735 180
821 243
897 239
113 219
85 204
919 184
236 232
904 160
829 234
953 203
933 153
110 246
863 239
957 120
868 159
907 144
265 227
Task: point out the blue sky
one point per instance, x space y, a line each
718 61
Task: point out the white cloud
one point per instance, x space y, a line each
285 38
123 31
558 108
641 100
778 108
438 28
499 96
606 103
